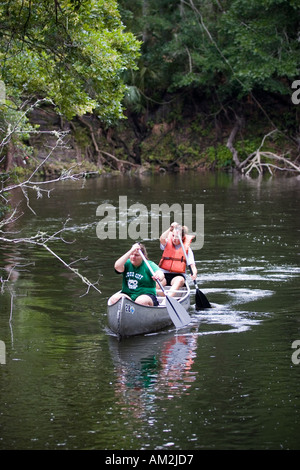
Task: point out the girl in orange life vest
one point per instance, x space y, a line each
173 261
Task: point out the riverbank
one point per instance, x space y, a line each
163 140
166 140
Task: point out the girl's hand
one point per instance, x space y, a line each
158 276
135 247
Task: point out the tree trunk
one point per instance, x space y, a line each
9 156
238 125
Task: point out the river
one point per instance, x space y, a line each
230 380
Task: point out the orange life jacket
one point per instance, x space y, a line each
173 259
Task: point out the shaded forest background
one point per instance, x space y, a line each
150 84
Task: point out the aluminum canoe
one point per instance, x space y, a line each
127 318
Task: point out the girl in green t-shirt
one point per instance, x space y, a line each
138 283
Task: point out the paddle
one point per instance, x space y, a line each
200 299
177 312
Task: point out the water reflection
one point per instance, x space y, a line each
151 368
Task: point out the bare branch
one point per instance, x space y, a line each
254 160
42 239
11 130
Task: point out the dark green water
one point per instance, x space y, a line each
226 382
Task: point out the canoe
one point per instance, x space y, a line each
127 318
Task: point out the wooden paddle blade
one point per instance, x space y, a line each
177 312
201 300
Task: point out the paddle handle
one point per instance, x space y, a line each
183 249
203 300
151 270
191 271
190 268
177 312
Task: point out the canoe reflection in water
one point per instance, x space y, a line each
149 368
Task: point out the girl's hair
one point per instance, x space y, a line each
184 231
143 250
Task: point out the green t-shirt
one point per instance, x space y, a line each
138 280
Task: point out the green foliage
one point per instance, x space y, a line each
219 156
229 48
261 44
72 52
246 147
79 55
14 128
13 121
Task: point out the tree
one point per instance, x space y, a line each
232 58
230 47
70 53
260 40
73 52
